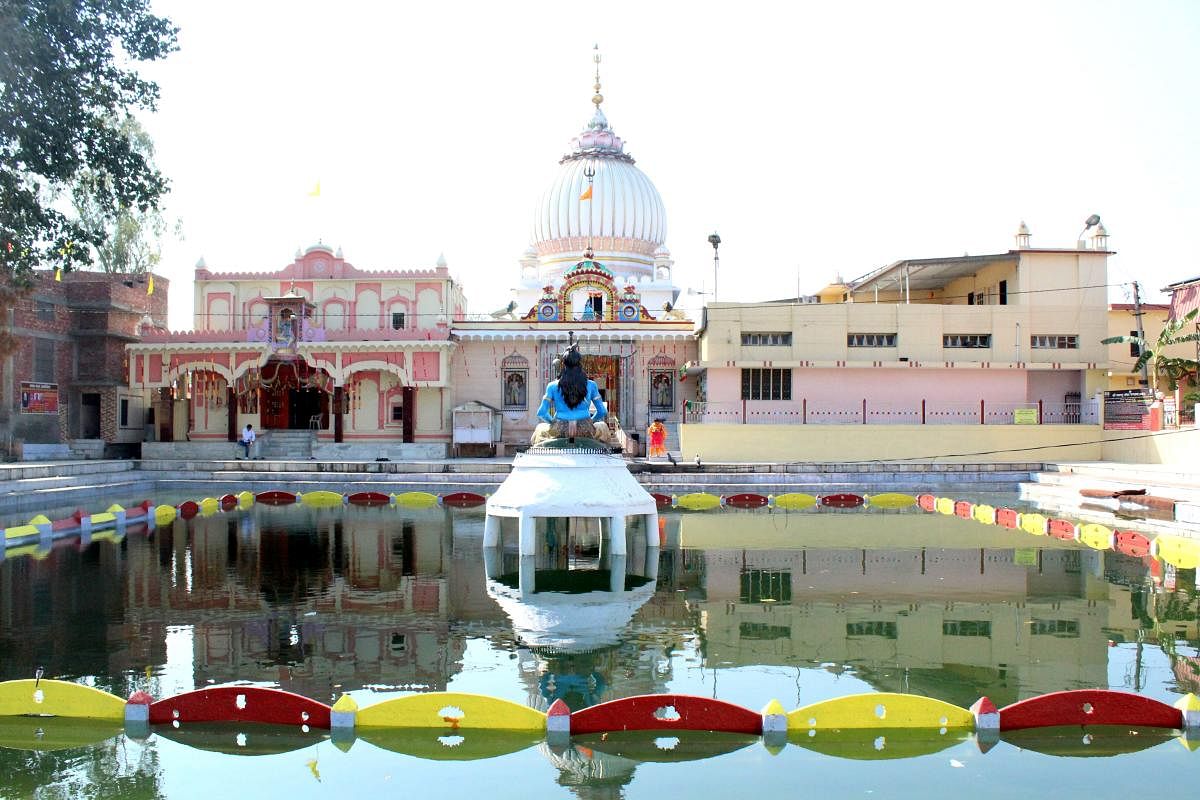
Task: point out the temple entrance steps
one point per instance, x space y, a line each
286 445
673 439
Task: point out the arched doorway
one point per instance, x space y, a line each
293 395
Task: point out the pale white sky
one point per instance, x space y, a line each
818 138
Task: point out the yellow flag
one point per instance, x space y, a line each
58 274
150 285
316 190
587 193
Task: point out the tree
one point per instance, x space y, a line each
130 239
64 80
1172 367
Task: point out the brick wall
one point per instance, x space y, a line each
89 317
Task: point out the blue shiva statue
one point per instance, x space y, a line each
572 405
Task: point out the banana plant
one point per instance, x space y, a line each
1171 367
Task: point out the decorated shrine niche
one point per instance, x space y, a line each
588 293
291 319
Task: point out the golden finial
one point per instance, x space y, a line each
597 98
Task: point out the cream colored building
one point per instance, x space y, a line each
986 340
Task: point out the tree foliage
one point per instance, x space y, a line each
66 88
131 239
1172 368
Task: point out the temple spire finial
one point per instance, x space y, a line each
597 98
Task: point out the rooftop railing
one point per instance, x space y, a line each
917 412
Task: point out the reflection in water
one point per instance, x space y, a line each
379 601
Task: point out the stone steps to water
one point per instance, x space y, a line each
58 469
1161 481
85 482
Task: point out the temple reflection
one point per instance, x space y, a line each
320 601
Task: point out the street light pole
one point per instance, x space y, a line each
715 241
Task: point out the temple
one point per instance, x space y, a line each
381 358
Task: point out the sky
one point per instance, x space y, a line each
818 139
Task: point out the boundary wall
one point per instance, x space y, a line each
1001 444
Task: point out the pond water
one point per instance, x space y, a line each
744 606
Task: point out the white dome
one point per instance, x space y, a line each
627 214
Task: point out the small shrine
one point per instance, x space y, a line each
290 320
589 293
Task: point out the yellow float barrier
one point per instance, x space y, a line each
209 506
467 745
40 519
44 734
1096 536
50 698
114 508
861 744
891 500
245 498
103 518
20 532
322 499
35 550
416 500
164 514
698 501
1177 551
944 505
794 501
985 514
880 711
1034 523
451 711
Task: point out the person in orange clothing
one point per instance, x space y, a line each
657 435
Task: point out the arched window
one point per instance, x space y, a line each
661 382
514 385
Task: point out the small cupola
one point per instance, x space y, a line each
1023 236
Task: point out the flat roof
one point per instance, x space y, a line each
927 273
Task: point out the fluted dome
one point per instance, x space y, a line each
627 214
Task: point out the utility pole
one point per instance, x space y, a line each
715 241
1137 313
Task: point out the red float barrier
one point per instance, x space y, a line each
68 524
369 499
1089 707
139 511
746 500
240 704
927 502
188 509
1007 518
666 712
275 498
963 509
1131 543
463 499
663 500
1062 529
228 501
842 501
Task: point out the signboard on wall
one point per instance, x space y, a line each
1025 416
1127 410
39 398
